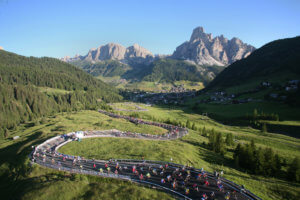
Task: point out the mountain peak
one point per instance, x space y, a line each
198 33
199 29
203 49
1 48
136 51
111 44
136 45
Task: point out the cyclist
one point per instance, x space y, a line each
169 178
141 177
227 196
187 190
206 182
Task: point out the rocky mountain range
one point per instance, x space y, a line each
203 49
112 51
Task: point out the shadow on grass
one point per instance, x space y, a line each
15 168
288 130
210 156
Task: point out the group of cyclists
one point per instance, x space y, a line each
184 179
174 131
180 179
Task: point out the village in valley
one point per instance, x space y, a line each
179 95
271 93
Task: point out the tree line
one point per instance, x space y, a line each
256 115
263 161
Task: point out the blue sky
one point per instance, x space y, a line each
65 27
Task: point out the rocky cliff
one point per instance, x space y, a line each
203 49
112 51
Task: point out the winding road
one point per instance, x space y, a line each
180 181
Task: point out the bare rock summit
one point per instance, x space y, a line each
203 49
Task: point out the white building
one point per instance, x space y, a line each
79 134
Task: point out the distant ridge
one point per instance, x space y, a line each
113 51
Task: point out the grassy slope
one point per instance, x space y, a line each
51 91
53 185
281 143
128 106
43 183
190 149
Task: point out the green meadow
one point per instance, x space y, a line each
38 182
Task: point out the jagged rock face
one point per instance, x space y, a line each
137 51
137 55
114 51
110 51
203 49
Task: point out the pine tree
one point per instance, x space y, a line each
252 144
229 139
236 155
212 139
200 131
255 114
278 164
264 128
6 133
188 124
194 127
250 152
204 133
260 161
293 172
219 144
270 162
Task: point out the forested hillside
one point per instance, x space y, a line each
22 89
170 70
277 60
163 70
107 68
